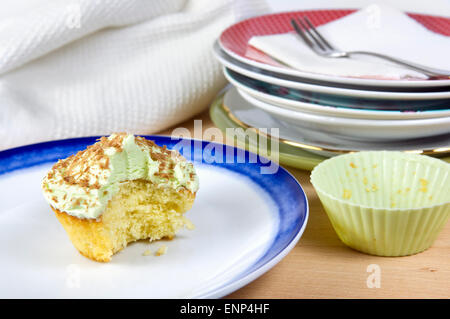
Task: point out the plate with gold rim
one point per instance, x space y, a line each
292 155
246 114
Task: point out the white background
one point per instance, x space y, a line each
437 7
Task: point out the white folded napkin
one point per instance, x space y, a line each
377 28
92 67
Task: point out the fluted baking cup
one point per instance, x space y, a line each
385 203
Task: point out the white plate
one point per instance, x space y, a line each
338 111
357 129
245 223
350 129
273 78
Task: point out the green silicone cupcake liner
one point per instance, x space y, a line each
385 203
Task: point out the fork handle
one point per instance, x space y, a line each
431 72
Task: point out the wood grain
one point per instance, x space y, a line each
321 266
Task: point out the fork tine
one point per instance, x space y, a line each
311 35
302 34
311 26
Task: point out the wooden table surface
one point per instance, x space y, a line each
321 266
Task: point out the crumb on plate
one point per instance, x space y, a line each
161 250
189 225
148 252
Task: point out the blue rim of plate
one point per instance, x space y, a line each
284 190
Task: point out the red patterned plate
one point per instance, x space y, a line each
234 41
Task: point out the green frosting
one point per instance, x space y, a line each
133 161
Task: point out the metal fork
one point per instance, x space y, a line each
306 30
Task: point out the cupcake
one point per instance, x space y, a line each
121 189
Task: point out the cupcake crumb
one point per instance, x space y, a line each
347 194
189 225
430 269
148 252
424 184
161 250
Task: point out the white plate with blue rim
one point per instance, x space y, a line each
249 213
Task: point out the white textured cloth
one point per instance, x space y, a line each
92 67
376 28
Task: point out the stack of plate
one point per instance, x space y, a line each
331 114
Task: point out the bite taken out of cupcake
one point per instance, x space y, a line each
119 190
